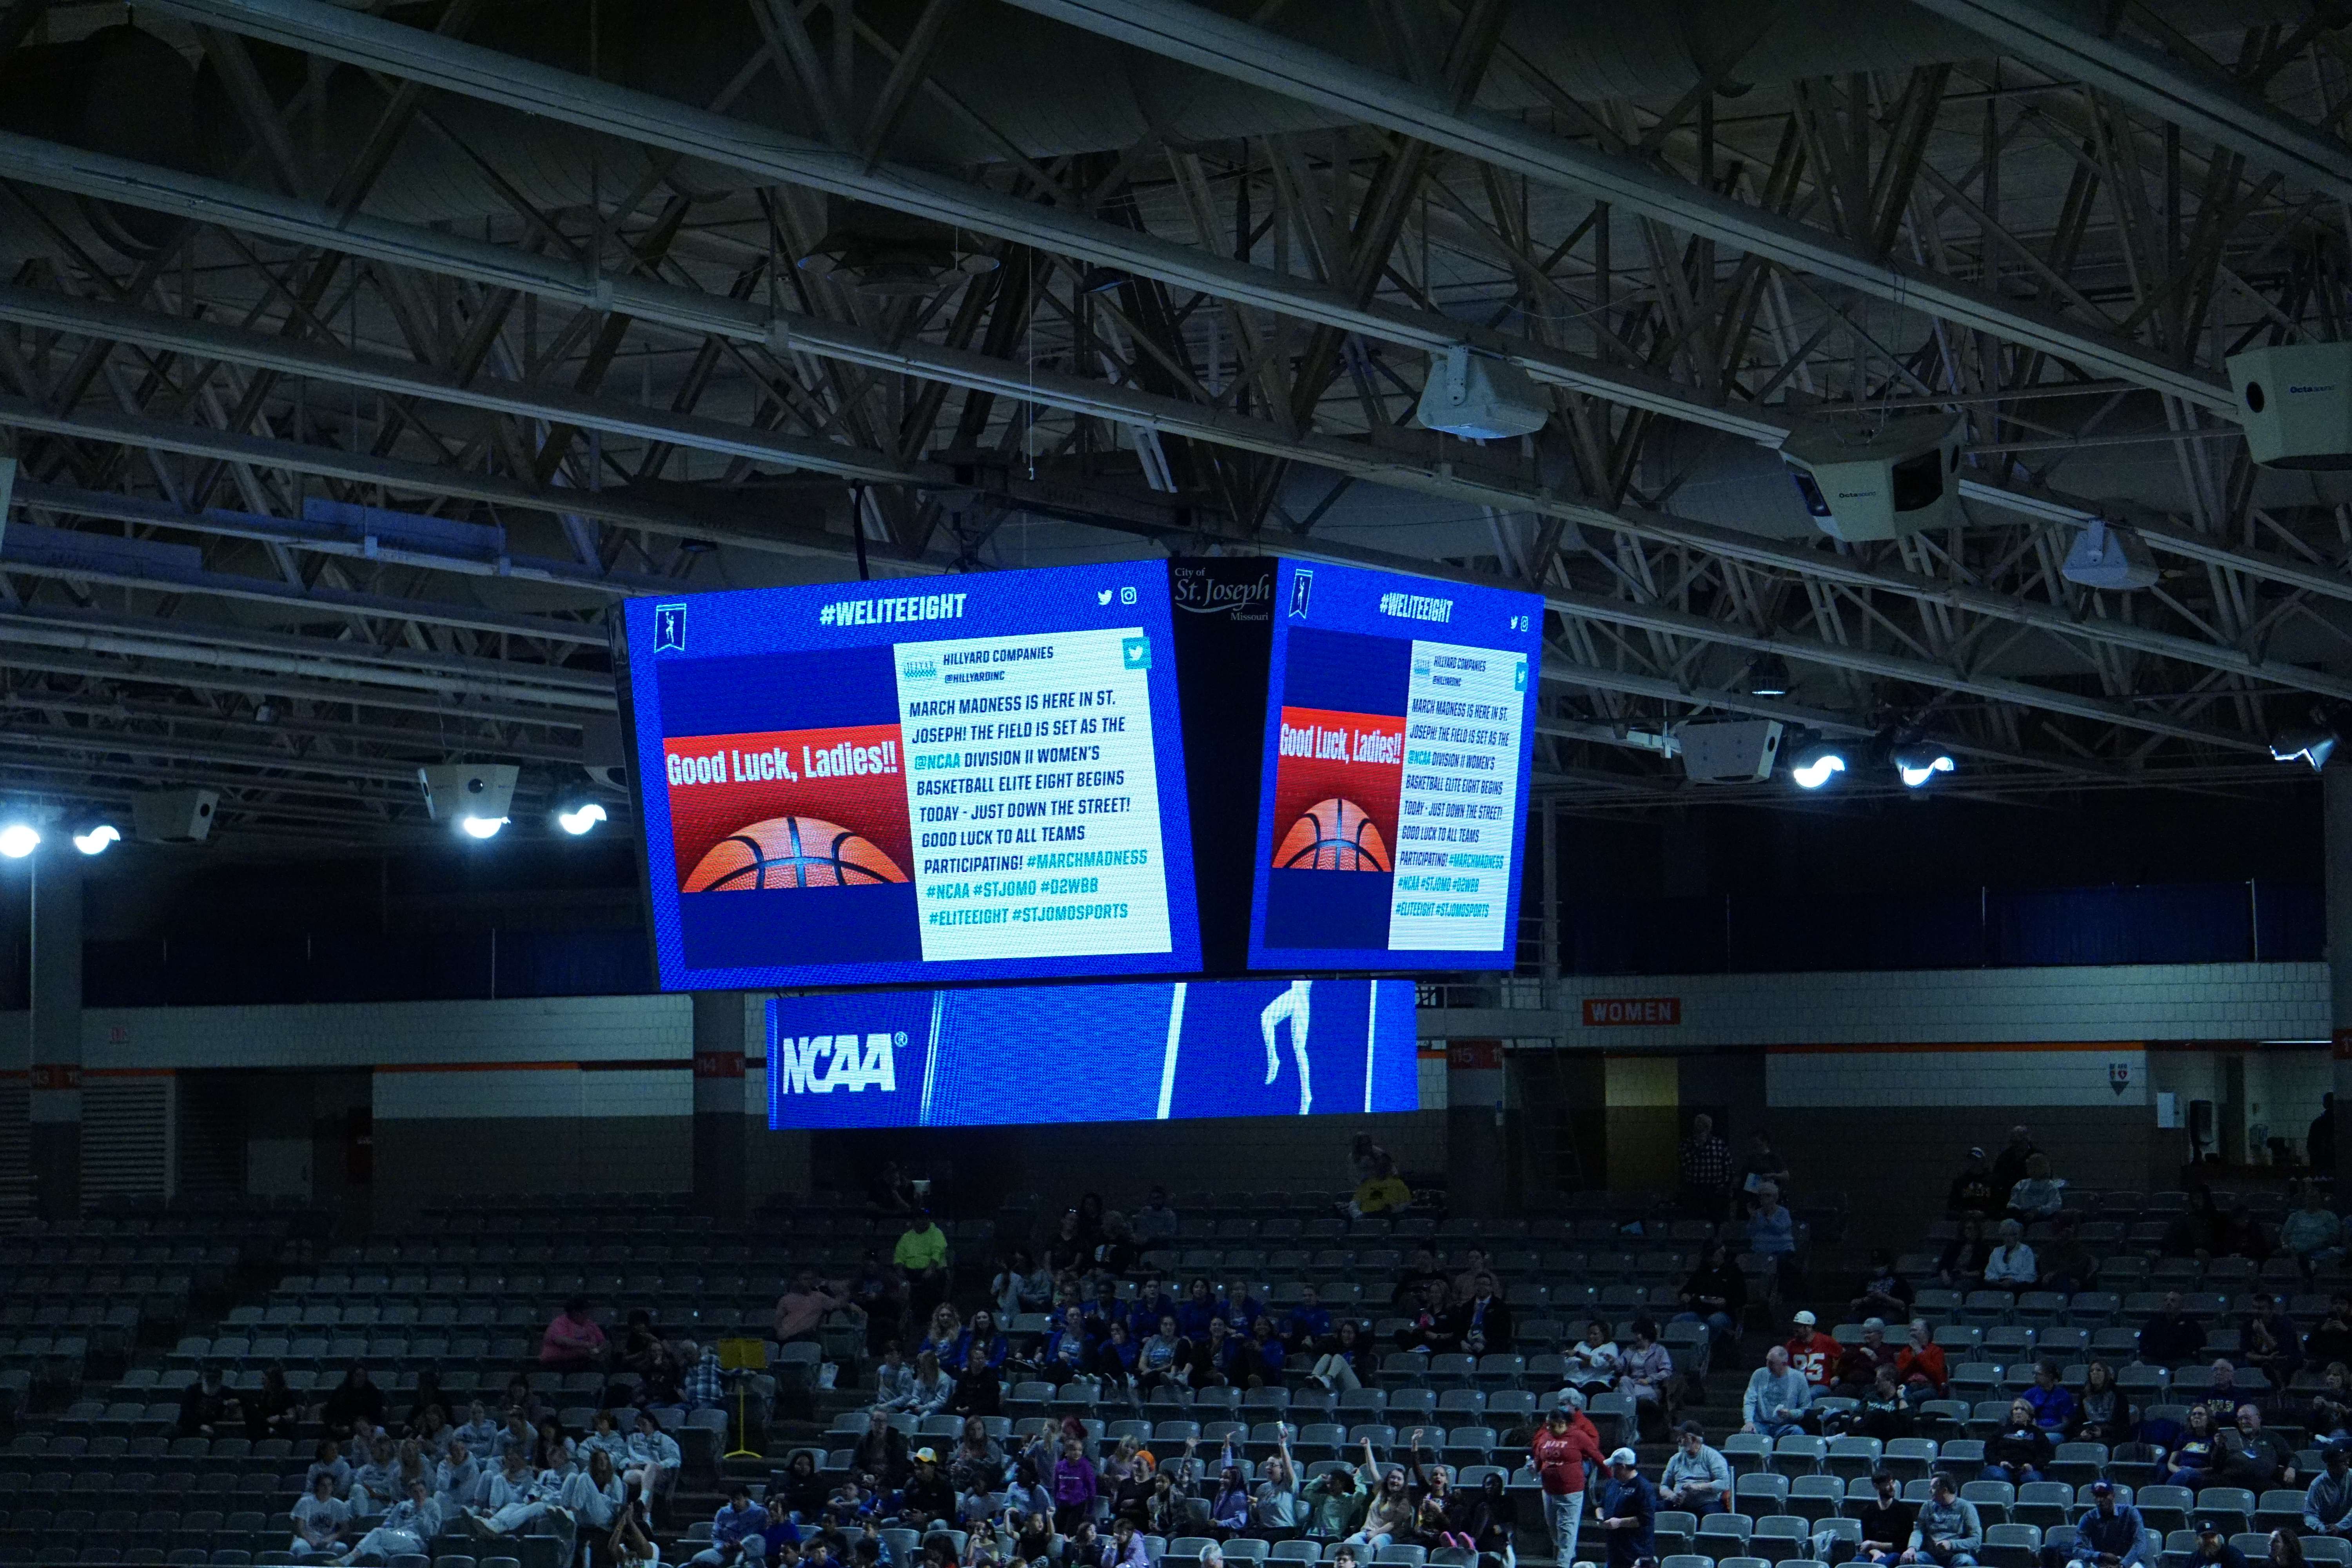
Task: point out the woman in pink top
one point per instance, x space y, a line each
572 1341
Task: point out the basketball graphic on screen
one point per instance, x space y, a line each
1332 836
790 852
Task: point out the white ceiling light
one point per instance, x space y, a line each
481 826
581 818
93 839
19 839
1814 766
1918 764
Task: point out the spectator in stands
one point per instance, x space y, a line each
376 1483
1971 1193
1216 1361
929 1391
928 1501
516 1499
1776 1398
1886 1523
1697 1478
653 1457
2319 1140
271 1411
1383 1193
2172 1337
322 1519
1704 1167
1716 1294
1155 1221
1561 1450
2038 1195
1162 1359
354 1402
1962 1265
943 1333
2328 1501
921 1256
2328 1413
1884 1292
738 1532
2066 1265
1629 1513
1195 1312
1020 1286
979 1367
1812 1354
1279 1507
2021 1451
1947 1531
1481 1325
2268 1340
1464 1283
1921 1363
2220 1396
704 1386
1490 1520
405 1529
1591 1362
1885 1410
458 1480
2108 1534
1335 1506
2009 1167
1856 1367
2052 1404
2213 1549
1772 1234
572 1341
1421 1269
893 1191
2243 1235
1643 1371
1762 1167
2196 1230
880 1294
2253 1456
1068 1250
2312 1233
1075 1483
1343 1368
204 1405
1306 1327
2331 1338
1389 1511
329 1461
1262 1356
800 1310
2185 1464
893 1376
2105 1412
2010 1266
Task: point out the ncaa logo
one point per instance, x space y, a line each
819 1064
669 629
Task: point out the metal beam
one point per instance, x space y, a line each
1209 41
743 319
228 646
2062 42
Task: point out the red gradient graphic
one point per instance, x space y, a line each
1353 757
717 786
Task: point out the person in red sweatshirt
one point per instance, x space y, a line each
1812 1353
1562 1447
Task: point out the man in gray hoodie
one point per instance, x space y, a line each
1948 1532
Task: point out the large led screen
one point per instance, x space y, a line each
1393 802
998 1056
973 778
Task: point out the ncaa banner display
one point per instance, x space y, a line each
975 1058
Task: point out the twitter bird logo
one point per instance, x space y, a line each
1103 598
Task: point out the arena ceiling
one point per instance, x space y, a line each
358 359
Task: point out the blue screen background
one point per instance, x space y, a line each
760 659
1343 654
1006 1055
